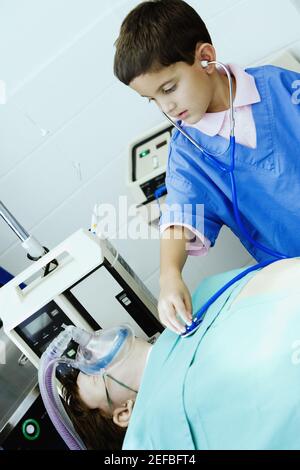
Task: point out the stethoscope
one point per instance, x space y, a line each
226 168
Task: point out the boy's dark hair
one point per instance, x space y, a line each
156 34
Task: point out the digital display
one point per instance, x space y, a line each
38 324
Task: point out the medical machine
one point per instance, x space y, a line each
81 285
92 287
148 156
29 427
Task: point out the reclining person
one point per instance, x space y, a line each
234 384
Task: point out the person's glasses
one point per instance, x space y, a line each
109 400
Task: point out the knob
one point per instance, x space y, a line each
31 429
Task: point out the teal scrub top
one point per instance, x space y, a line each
234 384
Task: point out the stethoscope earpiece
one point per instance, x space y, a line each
204 63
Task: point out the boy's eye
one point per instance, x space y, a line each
170 90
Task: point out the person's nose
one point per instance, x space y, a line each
168 107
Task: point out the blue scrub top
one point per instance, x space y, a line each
267 178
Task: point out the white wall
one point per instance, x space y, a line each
67 121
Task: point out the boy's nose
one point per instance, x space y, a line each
169 108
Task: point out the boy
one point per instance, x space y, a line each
159 53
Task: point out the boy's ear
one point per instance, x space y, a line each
122 414
205 51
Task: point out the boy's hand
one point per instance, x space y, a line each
175 301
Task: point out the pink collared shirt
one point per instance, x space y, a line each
214 124
219 123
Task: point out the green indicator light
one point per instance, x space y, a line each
144 153
31 429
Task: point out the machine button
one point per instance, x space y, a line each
31 429
126 301
155 162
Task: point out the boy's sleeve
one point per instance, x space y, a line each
186 206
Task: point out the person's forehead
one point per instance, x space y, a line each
149 83
83 380
90 388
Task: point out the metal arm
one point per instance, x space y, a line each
13 223
29 243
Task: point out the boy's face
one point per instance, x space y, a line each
182 91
